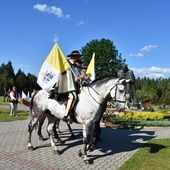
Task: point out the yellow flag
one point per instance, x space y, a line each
52 68
57 59
91 68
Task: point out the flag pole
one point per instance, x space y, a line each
73 72
76 76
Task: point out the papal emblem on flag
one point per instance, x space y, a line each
48 76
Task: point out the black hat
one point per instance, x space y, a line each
75 53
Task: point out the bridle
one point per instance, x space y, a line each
113 99
96 93
115 96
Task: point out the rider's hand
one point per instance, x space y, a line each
77 79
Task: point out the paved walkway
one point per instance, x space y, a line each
20 106
116 147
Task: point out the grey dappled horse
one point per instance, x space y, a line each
86 112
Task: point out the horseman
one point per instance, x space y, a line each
76 74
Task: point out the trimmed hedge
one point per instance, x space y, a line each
132 118
142 115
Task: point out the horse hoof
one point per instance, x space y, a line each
72 135
31 148
80 153
56 152
92 148
88 161
60 141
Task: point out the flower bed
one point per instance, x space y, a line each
129 119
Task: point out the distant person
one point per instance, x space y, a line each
14 99
5 94
128 74
8 96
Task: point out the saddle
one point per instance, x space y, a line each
63 99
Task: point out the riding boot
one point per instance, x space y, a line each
67 118
68 108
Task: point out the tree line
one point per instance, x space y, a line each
107 62
152 90
23 82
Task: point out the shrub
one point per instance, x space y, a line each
142 115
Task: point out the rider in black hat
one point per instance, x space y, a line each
72 97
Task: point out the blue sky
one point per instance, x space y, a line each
140 30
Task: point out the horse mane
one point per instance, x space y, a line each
104 79
31 102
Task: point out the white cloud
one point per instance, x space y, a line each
136 55
147 48
51 10
81 23
67 16
23 66
152 72
55 38
143 50
41 7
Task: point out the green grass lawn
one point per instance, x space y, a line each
154 155
5 115
2 101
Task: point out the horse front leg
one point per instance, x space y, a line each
56 124
87 141
96 135
51 135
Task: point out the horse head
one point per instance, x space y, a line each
117 94
110 87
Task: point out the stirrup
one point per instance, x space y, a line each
65 118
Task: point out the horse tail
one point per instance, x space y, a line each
34 118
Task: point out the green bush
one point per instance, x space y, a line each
142 115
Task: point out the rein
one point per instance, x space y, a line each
96 93
114 99
100 94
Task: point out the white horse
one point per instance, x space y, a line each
87 111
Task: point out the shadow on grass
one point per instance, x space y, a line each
153 148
